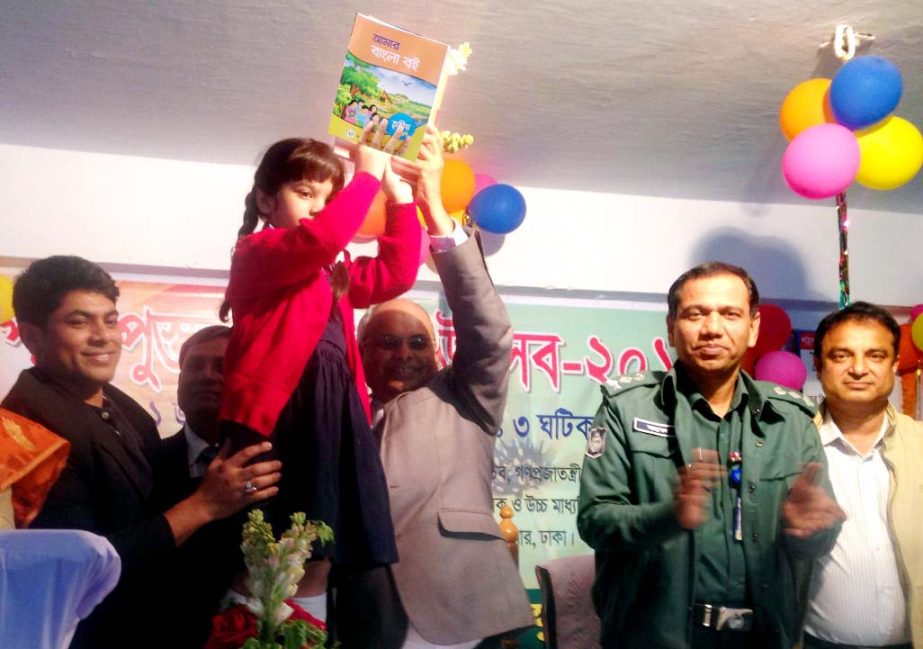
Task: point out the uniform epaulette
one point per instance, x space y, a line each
626 382
780 393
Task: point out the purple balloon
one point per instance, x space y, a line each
915 311
821 161
784 368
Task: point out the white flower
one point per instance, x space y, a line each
458 58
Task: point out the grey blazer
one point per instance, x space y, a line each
456 580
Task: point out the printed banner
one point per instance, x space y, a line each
561 355
155 319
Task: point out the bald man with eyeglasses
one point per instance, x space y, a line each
455 584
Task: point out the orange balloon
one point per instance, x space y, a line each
6 299
458 184
806 105
374 224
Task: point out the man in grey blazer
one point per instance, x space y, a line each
455 584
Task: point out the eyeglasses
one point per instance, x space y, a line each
417 342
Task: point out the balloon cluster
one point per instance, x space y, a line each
491 206
843 129
910 362
913 349
766 360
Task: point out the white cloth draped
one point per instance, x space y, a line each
49 581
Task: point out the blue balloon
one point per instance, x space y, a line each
865 91
498 208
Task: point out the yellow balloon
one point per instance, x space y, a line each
806 105
916 332
6 299
460 215
892 153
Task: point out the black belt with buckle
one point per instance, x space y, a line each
722 618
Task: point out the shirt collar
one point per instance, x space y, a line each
678 382
830 432
194 445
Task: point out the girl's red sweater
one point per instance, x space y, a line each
281 300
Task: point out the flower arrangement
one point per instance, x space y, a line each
267 619
458 58
453 142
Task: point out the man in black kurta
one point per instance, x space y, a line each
65 309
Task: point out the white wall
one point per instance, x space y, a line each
166 216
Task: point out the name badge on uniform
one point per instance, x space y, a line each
596 442
653 428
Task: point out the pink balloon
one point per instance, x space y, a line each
361 238
424 247
821 161
915 311
784 368
483 180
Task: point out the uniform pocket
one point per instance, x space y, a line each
654 445
467 522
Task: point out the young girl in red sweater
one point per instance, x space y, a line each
292 370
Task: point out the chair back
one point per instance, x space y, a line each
568 616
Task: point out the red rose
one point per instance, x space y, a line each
231 628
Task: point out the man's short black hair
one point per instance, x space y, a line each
712 269
856 312
202 336
41 287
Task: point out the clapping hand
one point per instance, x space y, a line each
808 508
693 493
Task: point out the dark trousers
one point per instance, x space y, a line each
705 638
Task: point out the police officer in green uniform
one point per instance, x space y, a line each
703 490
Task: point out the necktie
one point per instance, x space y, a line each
206 456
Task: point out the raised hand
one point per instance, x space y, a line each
808 509
367 155
693 493
395 188
399 140
428 168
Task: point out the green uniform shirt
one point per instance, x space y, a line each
721 576
647 566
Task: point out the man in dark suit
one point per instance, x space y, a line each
186 455
456 584
65 308
198 575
